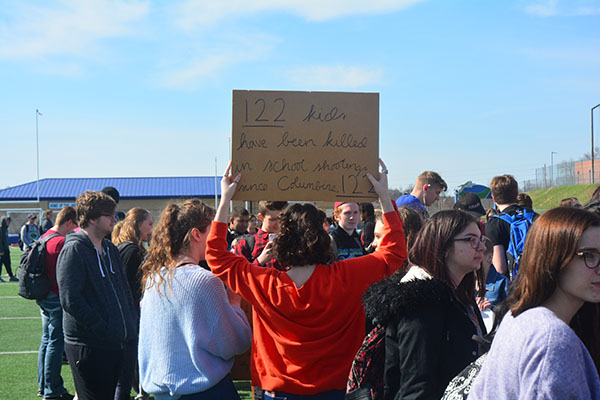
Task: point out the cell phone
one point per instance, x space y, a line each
272 236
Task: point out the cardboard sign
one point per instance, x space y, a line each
305 146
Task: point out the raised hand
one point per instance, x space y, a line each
228 187
229 184
381 187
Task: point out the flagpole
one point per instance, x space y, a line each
230 201
216 184
37 146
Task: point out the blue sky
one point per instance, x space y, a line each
470 89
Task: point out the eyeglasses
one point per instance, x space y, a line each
590 258
474 241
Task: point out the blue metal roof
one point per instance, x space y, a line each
129 188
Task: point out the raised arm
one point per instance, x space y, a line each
381 188
228 187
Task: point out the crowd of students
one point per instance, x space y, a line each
166 319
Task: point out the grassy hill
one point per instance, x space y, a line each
545 199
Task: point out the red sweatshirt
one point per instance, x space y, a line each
306 338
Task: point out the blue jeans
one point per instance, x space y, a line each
224 390
260 394
51 349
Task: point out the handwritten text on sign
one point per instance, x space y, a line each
305 145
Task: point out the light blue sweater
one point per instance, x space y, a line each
536 356
189 336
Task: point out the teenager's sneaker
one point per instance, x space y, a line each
2 280
14 279
40 393
64 396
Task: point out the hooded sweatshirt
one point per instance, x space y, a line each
4 233
97 303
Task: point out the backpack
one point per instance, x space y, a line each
20 242
519 225
34 283
365 381
460 386
249 242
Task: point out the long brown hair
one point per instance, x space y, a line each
432 245
550 245
171 238
128 230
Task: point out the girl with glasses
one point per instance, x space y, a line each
548 345
429 313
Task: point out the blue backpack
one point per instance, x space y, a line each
519 225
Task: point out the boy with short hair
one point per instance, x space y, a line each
345 240
99 316
252 246
427 190
50 354
238 224
505 190
29 231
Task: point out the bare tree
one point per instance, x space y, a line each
588 156
395 193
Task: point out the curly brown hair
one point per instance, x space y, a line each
171 238
302 239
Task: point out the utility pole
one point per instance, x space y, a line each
592 112
552 168
37 146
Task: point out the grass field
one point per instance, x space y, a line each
20 333
545 199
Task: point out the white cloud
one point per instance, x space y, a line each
335 77
542 9
67 27
228 52
571 8
195 71
192 14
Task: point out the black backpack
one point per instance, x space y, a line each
34 283
365 381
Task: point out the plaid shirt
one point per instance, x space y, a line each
261 238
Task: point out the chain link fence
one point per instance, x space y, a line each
560 174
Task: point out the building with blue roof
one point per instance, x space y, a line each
129 188
152 194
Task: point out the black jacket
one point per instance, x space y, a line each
429 336
94 294
131 256
345 246
4 233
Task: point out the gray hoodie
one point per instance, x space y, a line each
97 303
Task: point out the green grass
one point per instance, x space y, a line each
545 199
18 372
